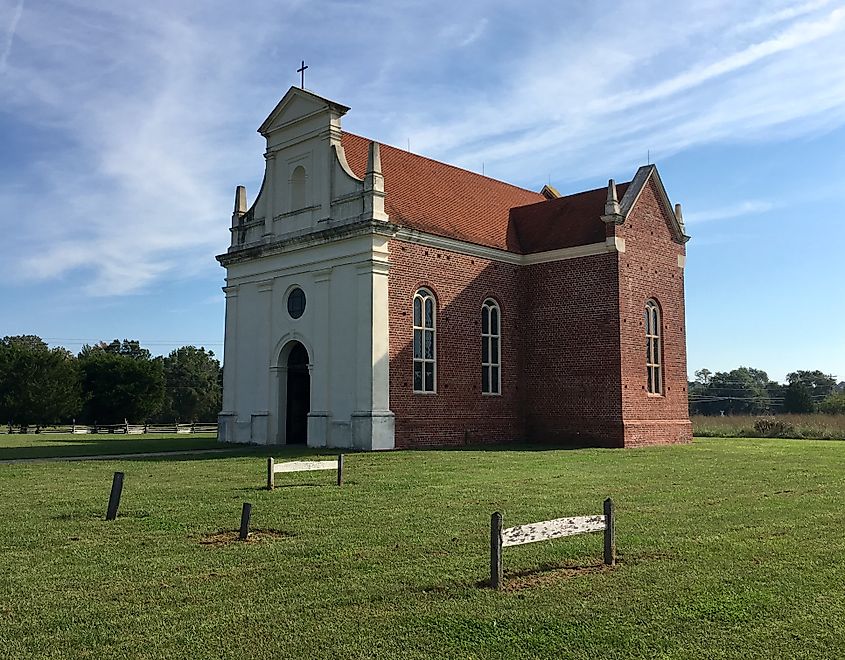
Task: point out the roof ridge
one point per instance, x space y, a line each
454 167
576 194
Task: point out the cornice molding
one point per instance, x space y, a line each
291 243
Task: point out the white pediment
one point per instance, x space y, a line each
296 105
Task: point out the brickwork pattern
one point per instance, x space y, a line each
458 413
573 343
572 365
649 269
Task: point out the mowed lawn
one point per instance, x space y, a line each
728 548
49 445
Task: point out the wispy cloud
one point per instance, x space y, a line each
145 115
475 34
748 207
10 35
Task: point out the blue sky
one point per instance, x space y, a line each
124 128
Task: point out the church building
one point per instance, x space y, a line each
378 299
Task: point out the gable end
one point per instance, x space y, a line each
635 189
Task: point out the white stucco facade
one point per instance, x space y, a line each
316 227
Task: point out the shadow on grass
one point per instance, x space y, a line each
546 574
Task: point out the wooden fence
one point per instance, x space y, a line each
132 429
549 529
274 468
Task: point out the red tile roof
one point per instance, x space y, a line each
444 200
563 222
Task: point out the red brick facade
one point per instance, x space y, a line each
573 343
649 269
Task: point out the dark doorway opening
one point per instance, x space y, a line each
299 396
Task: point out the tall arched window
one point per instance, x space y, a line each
491 348
297 188
653 357
425 341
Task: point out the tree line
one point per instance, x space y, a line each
106 383
747 391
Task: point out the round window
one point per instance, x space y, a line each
296 303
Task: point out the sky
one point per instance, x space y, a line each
125 127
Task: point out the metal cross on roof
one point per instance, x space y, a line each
301 71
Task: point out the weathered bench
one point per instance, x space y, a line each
549 529
274 468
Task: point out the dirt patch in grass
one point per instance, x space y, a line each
547 575
255 536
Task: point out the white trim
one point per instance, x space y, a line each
612 244
654 347
493 361
424 294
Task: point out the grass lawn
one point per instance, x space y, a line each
48 445
728 548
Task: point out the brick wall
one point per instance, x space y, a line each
649 269
458 413
573 343
571 367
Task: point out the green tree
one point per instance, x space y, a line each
38 385
817 383
703 376
798 398
120 384
833 404
192 385
743 391
128 347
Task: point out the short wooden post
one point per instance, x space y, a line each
114 497
271 481
246 513
340 469
496 550
609 533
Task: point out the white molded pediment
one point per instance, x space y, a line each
295 105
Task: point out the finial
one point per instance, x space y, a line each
679 214
611 207
612 210
374 158
240 200
374 185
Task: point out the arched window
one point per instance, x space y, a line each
297 188
491 348
425 341
653 357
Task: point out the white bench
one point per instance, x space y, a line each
549 529
274 468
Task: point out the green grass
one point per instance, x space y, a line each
728 548
817 426
65 444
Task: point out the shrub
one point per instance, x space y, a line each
770 427
834 404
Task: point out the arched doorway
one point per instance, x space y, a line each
298 395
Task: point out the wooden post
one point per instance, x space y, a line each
340 469
496 550
270 473
114 497
246 513
609 533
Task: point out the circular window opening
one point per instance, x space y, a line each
296 303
